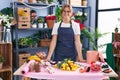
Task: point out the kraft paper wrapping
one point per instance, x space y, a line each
27 67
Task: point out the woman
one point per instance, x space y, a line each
65 38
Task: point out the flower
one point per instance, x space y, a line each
50 17
82 26
6 20
80 16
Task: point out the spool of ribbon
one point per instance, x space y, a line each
27 67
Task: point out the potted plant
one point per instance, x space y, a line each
29 41
40 22
1 61
60 1
39 1
50 1
22 42
116 30
80 16
50 19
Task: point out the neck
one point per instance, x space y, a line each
66 20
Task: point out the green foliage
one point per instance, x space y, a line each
50 1
7 11
2 59
58 14
93 37
40 19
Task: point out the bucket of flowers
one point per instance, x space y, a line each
50 19
5 22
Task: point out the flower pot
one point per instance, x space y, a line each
32 1
84 3
21 0
50 23
34 25
1 65
92 56
40 25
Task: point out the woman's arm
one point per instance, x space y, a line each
79 48
52 47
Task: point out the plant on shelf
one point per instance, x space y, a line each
50 1
50 19
29 41
40 20
1 61
39 1
60 1
80 16
22 42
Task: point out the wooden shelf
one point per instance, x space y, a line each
6 52
5 69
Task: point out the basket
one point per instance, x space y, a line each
44 42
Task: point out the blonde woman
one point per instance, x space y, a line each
66 38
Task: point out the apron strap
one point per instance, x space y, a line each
70 24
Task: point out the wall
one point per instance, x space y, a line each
4 3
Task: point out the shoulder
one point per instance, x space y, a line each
75 23
57 23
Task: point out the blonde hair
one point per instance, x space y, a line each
68 6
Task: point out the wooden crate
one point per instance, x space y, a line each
6 52
23 14
75 2
23 25
26 78
23 57
23 18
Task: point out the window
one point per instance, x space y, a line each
108 14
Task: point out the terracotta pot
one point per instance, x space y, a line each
32 1
50 23
1 65
92 56
84 3
21 0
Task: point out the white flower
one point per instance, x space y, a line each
6 20
85 14
79 13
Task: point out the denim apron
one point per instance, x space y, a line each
65 47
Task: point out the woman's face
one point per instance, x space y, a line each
66 13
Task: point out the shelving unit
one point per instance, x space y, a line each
6 52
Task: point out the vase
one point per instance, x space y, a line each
3 34
50 23
8 36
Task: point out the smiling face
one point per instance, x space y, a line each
66 12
